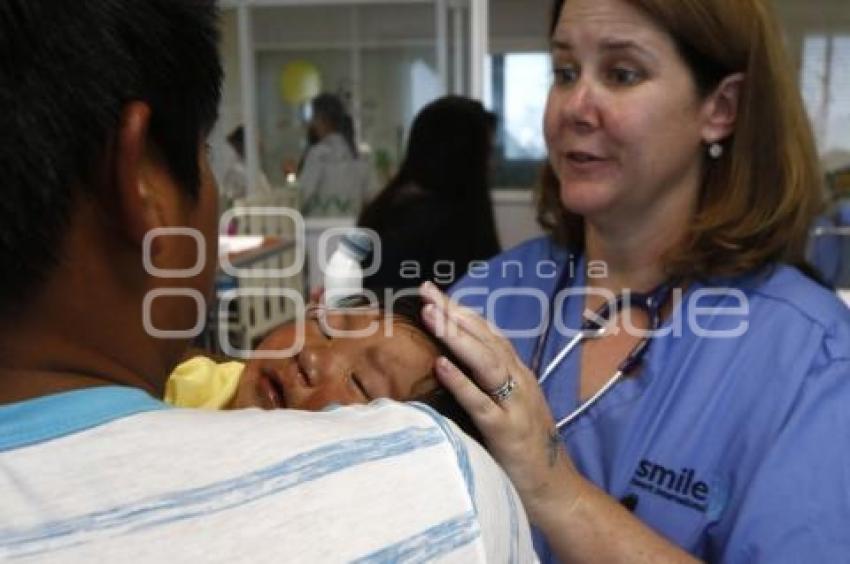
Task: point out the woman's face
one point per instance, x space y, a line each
623 120
339 369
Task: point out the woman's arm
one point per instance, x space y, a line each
581 522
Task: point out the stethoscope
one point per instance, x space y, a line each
595 327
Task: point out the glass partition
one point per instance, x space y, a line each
385 59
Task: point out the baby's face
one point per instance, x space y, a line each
394 361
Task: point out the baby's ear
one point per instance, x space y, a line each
426 387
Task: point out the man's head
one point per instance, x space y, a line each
73 76
105 109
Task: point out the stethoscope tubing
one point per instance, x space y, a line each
567 349
592 329
612 381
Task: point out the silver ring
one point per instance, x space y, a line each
504 391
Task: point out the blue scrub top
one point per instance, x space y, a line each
736 448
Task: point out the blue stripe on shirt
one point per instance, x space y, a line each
219 496
54 416
430 544
514 524
458 446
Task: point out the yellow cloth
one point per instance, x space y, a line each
201 382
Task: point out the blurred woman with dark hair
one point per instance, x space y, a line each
435 216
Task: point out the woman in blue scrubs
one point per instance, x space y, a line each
682 176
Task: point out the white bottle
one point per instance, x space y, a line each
344 273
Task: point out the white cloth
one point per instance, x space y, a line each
386 482
333 183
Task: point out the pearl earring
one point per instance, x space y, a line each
715 150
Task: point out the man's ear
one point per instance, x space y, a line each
137 196
720 110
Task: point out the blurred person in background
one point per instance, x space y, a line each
333 179
234 185
435 216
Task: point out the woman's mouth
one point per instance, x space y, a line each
581 157
580 162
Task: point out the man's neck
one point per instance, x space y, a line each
59 344
22 386
44 363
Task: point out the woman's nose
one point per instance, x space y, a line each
579 106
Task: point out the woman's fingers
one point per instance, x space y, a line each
476 342
517 425
487 362
460 317
518 430
474 401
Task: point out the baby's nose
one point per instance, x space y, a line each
323 366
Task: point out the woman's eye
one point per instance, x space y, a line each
565 75
624 76
358 383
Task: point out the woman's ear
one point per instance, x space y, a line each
720 109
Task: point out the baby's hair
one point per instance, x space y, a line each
408 309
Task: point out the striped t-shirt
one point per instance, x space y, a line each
114 475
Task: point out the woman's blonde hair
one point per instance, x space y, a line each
758 201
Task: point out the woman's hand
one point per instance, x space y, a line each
519 430
581 522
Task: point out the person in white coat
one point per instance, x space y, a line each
334 180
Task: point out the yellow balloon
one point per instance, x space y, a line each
299 82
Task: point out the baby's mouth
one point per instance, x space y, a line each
273 389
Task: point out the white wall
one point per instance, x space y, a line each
515 216
519 25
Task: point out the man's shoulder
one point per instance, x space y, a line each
461 504
290 430
349 440
377 481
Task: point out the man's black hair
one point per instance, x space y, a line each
67 70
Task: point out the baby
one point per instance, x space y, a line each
349 356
